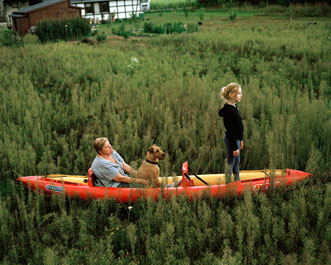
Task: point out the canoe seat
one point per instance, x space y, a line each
92 179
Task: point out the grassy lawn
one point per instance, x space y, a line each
165 89
210 18
155 4
206 16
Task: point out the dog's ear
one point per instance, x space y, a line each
150 149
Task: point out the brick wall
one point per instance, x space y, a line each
58 11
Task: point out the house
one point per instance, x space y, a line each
93 9
111 9
25 18
6 9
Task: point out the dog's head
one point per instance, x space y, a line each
156 152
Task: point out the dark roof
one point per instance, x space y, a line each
37 6
17 15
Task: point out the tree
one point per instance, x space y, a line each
15 3
20 3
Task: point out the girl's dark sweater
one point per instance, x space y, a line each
233 124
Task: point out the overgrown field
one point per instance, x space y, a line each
55 99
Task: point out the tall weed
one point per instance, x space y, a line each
57 98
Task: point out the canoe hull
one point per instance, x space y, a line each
53 186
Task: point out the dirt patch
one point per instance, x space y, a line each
88 41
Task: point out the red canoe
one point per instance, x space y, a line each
81 186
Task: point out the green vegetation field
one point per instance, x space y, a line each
55 99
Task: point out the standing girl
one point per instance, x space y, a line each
234 127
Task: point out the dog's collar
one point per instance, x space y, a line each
151 162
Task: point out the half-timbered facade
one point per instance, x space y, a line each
111 9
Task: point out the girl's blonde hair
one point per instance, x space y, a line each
99 142
232 88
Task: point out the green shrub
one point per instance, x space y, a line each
101 37
8 37
121 31
172 4
186 12
201 13
149 27
134 17
192 27
177 27
55 30
169 28
232 15
310 10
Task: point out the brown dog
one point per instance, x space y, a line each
149 169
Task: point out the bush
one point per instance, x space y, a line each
8 37
232 15
55 30
317 10
172 4
149 27
121 31
101 38
192 27
178 27
169 28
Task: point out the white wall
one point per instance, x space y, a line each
121 9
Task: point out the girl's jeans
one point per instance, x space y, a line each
233 161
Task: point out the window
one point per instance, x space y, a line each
89 8
104 7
